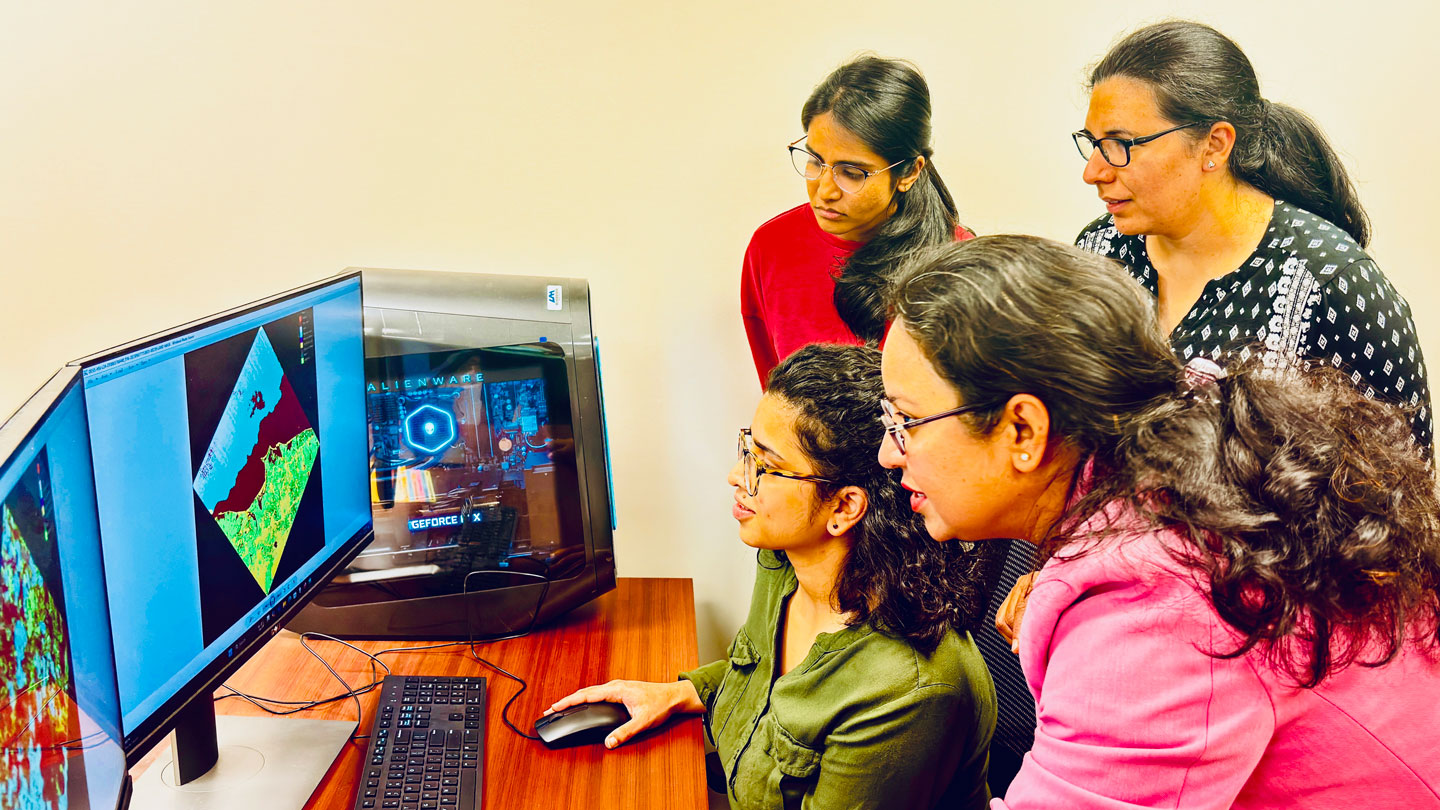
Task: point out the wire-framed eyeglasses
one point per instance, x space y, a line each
745 453
848 177
898 427
1116 151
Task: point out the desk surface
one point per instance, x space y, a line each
643 630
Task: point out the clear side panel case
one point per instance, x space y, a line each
487 475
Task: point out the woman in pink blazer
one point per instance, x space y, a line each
1238 602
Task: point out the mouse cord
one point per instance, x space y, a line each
471 645
505 711
470 627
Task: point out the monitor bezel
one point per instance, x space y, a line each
106 355
153 729
21 426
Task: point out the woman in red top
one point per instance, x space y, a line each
818 272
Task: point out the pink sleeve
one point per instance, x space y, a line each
1131 712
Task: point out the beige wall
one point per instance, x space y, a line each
163 160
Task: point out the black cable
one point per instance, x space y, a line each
376 680
359 710
505 711
534 617
304 705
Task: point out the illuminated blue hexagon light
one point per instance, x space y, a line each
429 429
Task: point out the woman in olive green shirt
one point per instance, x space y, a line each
853 682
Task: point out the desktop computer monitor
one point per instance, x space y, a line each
60 743
231 479
489 473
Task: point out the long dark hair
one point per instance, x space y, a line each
1306 506
895 577
1200 76
886 104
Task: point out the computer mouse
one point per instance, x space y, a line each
584 724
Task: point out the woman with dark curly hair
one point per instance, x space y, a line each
1238 602
854 682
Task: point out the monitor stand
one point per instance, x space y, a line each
258 762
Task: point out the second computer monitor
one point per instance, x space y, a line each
59 710
231 477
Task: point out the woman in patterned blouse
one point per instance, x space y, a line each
1238 216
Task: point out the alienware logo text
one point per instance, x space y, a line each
412 383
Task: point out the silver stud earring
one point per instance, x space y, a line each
1209 164
1024 456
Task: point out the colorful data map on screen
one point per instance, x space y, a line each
254 473
35 710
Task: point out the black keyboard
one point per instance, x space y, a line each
427 745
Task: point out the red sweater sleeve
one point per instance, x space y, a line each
752 311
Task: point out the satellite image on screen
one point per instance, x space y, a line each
254 472
255 445
37 712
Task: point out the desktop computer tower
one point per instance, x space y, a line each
489 473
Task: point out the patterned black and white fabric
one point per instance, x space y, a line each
1015 721
1308 292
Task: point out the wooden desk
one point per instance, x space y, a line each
643 630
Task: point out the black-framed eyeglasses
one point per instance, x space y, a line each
848 177
1116 151
745 453
898 427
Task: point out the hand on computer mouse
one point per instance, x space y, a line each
649 704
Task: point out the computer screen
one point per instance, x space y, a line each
59 709
231 478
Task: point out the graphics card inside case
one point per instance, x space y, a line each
489 474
